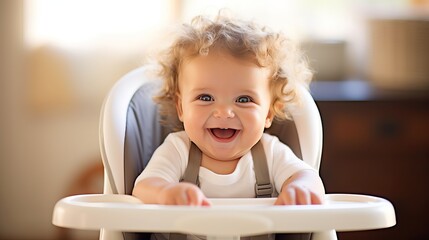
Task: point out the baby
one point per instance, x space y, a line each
225 80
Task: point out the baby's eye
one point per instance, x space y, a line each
244 99
205 98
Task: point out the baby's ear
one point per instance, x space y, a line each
269 119
179 108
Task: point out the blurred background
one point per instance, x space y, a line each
59 58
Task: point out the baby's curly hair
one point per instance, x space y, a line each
241 39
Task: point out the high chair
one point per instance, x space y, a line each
130 132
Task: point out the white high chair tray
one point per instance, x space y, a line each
226 217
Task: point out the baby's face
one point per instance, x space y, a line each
224 104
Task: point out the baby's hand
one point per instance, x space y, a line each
295 194
183 194
304 187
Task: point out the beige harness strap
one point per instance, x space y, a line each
263 187
194 163
190 176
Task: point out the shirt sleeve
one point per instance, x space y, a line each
169 160
284 162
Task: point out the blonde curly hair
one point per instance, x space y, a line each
241 39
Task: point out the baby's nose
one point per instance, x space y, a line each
224 111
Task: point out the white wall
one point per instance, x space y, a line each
42 151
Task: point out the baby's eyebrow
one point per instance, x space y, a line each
200 90
249 92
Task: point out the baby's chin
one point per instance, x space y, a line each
224 154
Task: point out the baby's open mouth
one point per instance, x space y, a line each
223 133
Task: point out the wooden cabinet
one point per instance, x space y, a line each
380 147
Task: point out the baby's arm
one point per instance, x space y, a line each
158 191
304 187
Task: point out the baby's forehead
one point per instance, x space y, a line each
224 57
212 72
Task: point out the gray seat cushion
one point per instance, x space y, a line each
143 133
